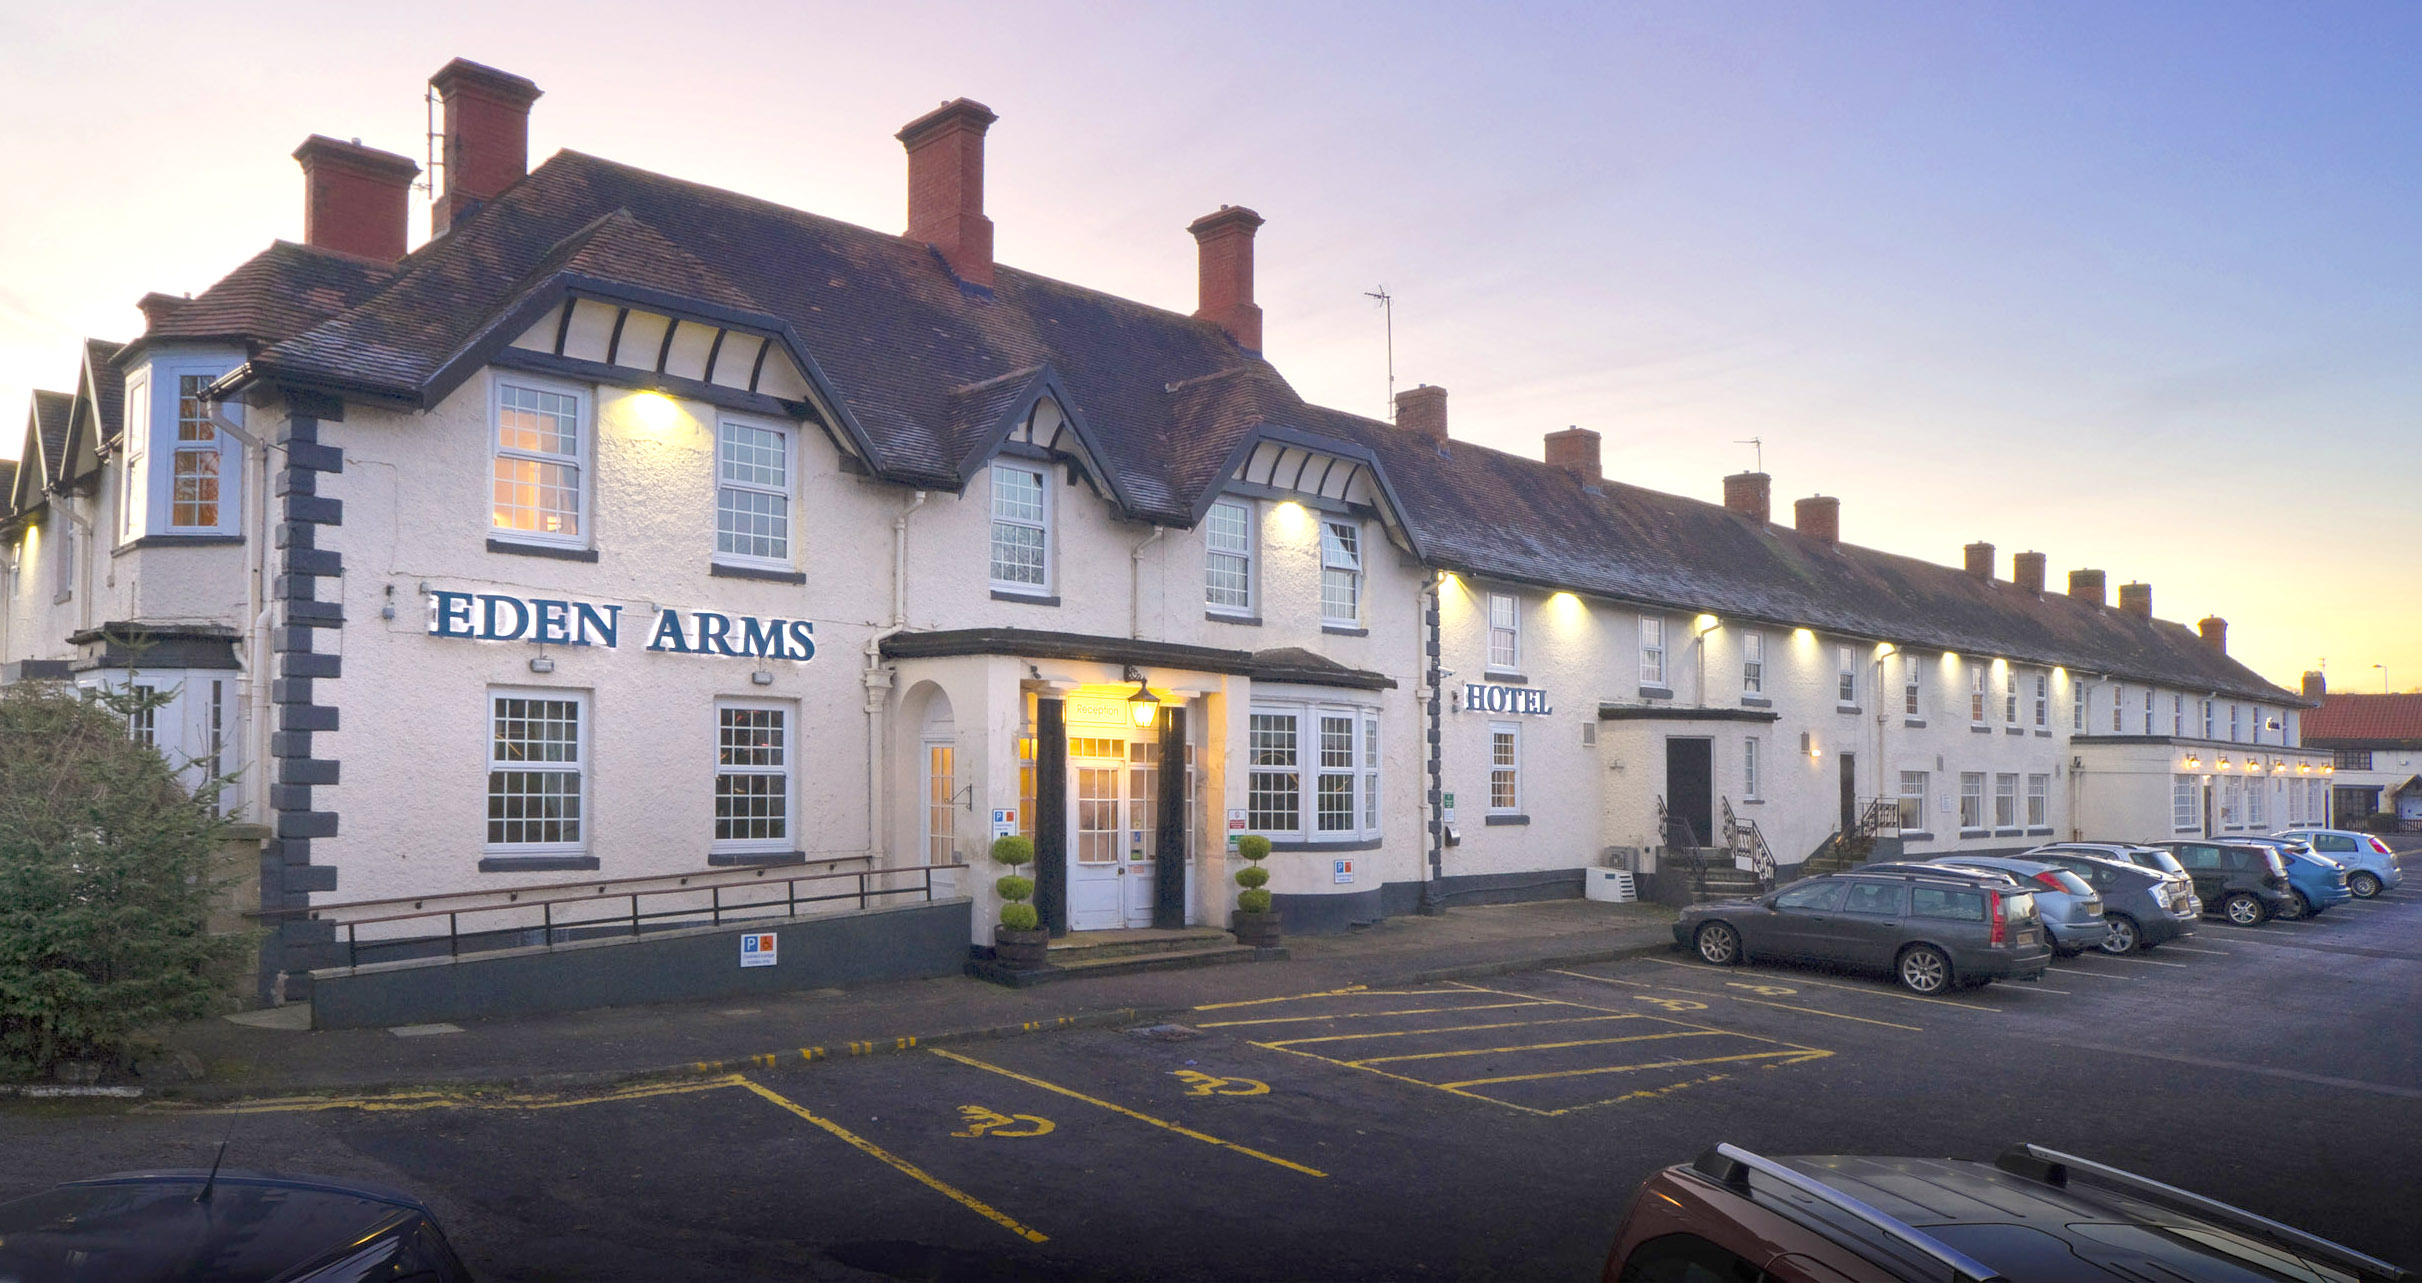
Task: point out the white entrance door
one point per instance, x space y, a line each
1097 776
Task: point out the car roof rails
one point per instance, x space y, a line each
2055 1168
1733 1166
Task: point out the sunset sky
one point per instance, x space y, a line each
2138 286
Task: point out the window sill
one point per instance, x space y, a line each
2014 730
1344 630
1505 676
536 863
1980 730
1848 708
2040 831
1249 621
722 858
1976 833
1753 801
178 541
1494 820
1031 599
2043 735
1757 701
1916 835
721 571
2010 833
1914 723
1345 844
542 550
1656 692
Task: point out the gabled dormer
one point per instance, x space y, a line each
183 473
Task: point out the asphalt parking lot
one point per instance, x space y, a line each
1485 1129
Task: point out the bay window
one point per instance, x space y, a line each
1312 772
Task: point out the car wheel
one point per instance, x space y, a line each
2295 906
1718 943
2243 909
2364 885
2125 937
1924 969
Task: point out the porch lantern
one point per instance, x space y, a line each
1143 704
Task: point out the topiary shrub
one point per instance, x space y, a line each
1015 851
1020 917
1252 876
1253 899
1014 888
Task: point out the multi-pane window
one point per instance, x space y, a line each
2039 801
1339 791
2043 701
2234 731
1652 651
1021 532
1846 675
2351 759
2186 803
2207 719
142 725
1913 801
2010 696
2005 801
1336 787
1753 663
1749 767
1505 767
1972 799
1505 631
2178 715
1228 558
194 466
2257 723
2119 704
1274 780
134 493
536 767
539 453
1340 573
2148 712
941 796
1976 694
1370 768
2232 791
752 492
2077 704
1912 673
2254 791
752 776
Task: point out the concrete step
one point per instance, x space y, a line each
1124 964
1086 947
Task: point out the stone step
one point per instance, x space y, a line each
1084 947
1124 964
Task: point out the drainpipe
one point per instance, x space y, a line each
1135 590
877 678
1433 735
253 683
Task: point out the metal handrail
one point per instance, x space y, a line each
743 874
713 911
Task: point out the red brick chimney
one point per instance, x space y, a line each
2027 571
2137 599
1576 451
487 136
1980 560
1225 240
2086 586
1750 494
157 307
946 186
355 199
2215 632
2316 686
1819 517
1423 409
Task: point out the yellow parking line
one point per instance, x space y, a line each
1536 1046
1567 1002
1467 1095
1354 991
2126 957
413 1102
1797 1057
2072 971
901 1165
1453 1029
1710 993
1362 1015
1880 993
1122 1109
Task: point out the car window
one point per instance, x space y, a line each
2277 862
2167 862
2199 857
1686 1258
2070 882
1944 902
1817 896
2332 842
1873 897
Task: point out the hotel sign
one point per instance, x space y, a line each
1488 697
563 622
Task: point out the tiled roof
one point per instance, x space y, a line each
276 294
2356 720
8 488
51 413
106 385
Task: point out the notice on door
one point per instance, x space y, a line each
757 949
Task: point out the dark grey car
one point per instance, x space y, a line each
1933 931
2140 904
2071 908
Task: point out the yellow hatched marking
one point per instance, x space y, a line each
412 1102
1467 1095
1761 1002
1364 1015
1350 991
1668 1020
1206 1138
899 1164
1877 993
1451 1029
1796 1058
1536 1046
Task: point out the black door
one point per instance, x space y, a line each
1850 793
1690 792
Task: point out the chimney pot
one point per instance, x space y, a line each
2137 599
356 199
1423 409
487 136
2027 571
157 307
2316 686
1819 517
1576 451
2086 586
946 186
2215 632
1224 246
1980 560
1750 494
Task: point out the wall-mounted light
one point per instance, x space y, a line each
1706 624
2329 768
761 678
1143 705
1809 745
2193 762
542 664
655 411
2304 768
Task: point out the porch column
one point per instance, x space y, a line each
1051 814
1169 837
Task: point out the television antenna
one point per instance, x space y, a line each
1387 305
1758 446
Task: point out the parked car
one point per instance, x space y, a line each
1933 930
2143 909
136 1227
2315 883
2371 867
2245 882
2071 907
2034 1215
2153 858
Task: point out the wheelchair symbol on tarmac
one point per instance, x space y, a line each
1672 1004
1771 991
984 1122
1202 1084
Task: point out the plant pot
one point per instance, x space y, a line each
1020 950
1257 929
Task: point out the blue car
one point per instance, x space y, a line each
2315 882
2371 867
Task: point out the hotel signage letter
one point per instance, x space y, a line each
1487 697
559 622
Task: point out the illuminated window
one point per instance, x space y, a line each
752 776
540 452
194 467
1340 573
1228 558
753 492
1021 530
1505 631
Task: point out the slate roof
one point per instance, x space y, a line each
8 488
2357 721
276 294
105 386
51 413
923 367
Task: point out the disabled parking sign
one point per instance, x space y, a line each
757 949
